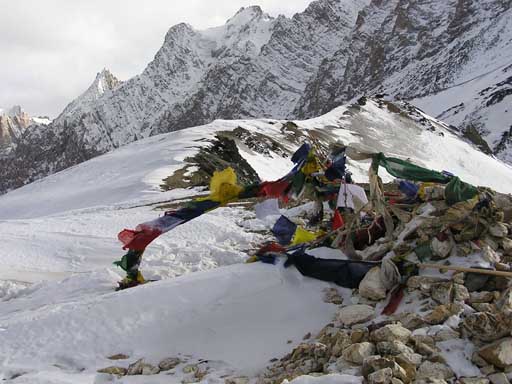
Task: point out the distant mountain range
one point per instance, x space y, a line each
452 58
13 123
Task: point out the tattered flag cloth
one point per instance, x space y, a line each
289 233
223 189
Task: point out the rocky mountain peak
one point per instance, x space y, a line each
13 122
14 111
104 83
246 15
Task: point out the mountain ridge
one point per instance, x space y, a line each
256 66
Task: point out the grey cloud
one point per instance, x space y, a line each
51 50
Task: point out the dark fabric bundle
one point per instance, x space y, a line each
345 273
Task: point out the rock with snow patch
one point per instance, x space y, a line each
149 369
355 314
135 368
446 334
490 255
498 230
169 363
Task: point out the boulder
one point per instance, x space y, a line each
148 369
506 244
499 353
424 283
504 304
429 370
441 249
473 380
410 320
169 363
486 326
442 292
498 230
136 368
377 363
446 334
393 348
356 353
391 332
490 255
382 376
372 287
460 293
413 359
332 296
482 297
119 356
441 313
355 314
498 378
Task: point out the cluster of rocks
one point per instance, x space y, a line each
412 346
140 367
185 370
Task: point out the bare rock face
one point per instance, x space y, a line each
13 124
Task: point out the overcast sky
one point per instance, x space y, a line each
51 50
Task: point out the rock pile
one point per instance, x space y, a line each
413 347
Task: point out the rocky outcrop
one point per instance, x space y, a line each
13 123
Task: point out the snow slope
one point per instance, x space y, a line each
242 316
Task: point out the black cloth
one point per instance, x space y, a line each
345 273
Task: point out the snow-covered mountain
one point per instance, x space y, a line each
455 56
60 319
13 123
259 66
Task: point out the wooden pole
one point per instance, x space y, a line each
468 270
